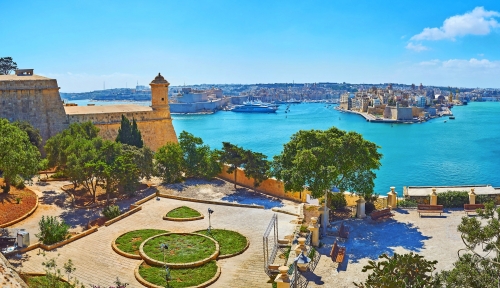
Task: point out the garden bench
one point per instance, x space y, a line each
337 253
423 208
343 231
384 213
471 208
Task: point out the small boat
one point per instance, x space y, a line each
452 117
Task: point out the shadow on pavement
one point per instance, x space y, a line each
246 196
193 182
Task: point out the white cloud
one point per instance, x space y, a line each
403 37
472 63
429 63
476 22
416 47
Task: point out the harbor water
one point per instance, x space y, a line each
440 152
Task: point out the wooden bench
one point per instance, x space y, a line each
343 231
471 208
384 213
337 253
423 208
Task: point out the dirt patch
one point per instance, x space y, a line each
10 209
97 222
83 197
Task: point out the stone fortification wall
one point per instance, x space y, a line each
271 186
155 126
34 99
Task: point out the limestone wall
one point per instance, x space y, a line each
34 99
156 128
270 186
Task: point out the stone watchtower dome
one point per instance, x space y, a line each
159 93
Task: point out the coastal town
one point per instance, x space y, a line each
386 103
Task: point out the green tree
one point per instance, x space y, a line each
256 167
33 133
18 157
129 133
169 163
199 159
7 65
323 159
479 262
401 270
234 156
52 231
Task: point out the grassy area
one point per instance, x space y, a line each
183 212
130 241
181 248
230 242
179 277
43 281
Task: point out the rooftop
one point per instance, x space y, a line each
13 77
78 110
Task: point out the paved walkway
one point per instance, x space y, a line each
434 237
97 263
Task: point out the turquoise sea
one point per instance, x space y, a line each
435 153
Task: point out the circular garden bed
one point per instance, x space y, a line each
184 250
231 243
128 244
183 213
200 276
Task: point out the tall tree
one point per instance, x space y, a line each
323 159
18 157
234 156
169 163
479 262
33 133
7 65
256 167
129 133
199 159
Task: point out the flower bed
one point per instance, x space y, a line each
230 242
130 241
10 210
182 248
186 277
183 212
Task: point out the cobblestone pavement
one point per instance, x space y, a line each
97 263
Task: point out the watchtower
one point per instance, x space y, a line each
159 94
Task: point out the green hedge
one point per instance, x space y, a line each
453 199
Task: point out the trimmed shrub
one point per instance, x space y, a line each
58 175
453 199
337 200
483 199
369 207
407 203
52 231
111 211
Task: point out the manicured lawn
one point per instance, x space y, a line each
181 248
130 242
183 212
179 277
230 242
9 209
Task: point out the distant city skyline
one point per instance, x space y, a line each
84 44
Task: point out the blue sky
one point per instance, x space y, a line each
86 43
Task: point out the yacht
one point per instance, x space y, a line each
252 107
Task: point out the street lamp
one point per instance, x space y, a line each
164 248
210 211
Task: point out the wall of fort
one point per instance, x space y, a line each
270 186
34 99
155 126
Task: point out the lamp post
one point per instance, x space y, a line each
209 230
164 248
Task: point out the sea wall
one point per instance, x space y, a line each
270 186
